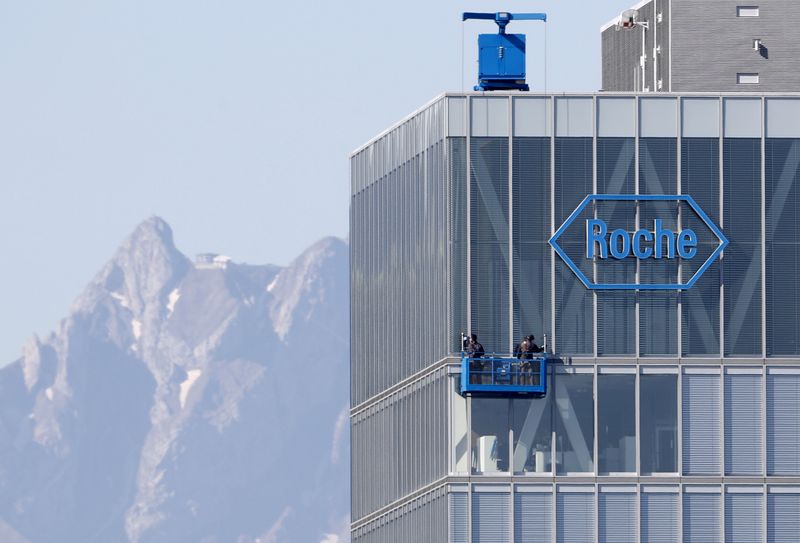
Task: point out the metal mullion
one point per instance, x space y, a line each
722 226
637 218
596 512
638 422
594 206
468 165
763 230
680 421
722 418
553 337
680 513
596 421
510 224
764 375
554 503
678 178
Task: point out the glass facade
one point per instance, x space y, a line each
670 415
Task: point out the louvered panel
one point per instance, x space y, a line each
533 517
701 518
658 310
701 424
782 198
573 304
659 518
743 425
742 262
783 424
459 517
744 515
618 518
700 304
783 518
489 233
490 517
531 230
575 518
616 315
457 217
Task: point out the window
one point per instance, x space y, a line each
489 435
658 399
747 79
783 434
574 422
747 11
531 422
701 423
616 409
743 415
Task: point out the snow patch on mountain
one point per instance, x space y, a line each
191 377
174 296
123 301
136 328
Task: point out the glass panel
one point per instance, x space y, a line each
491 513
783 517
533 514
701 520
616 415
658 402
743 517
531 255
618 517
616 309
575 517
532 423
574 399
658 310
659 518
701 424
742 262
743 425
700 304
489 242
489 435
782 164
573 173
783 424
459 429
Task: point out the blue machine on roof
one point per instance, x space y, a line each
503 375
501 56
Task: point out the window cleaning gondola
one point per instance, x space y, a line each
522 373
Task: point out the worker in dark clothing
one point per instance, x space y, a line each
532 346
474 348
475 352
524 351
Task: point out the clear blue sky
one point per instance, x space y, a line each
231 120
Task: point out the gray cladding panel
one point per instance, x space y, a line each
711 45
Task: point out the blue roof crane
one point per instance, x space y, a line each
501 56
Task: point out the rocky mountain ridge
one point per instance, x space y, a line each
184 401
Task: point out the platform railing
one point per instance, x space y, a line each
499 373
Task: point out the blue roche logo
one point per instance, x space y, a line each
614 246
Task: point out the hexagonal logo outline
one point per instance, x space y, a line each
723 241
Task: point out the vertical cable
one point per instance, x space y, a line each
545 57
462 56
